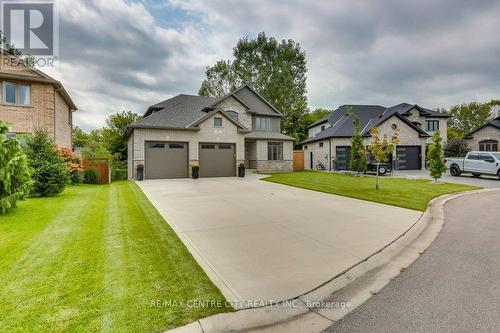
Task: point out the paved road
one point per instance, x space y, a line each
263 241
453 287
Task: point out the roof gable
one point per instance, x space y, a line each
493 122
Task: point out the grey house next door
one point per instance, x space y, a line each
217 159
166 160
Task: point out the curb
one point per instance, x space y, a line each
312 311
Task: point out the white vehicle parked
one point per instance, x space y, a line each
476 162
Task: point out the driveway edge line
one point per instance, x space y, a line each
312 311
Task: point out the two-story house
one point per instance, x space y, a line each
218 134
329 139
30 100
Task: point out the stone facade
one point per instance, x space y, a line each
485 133
252 153
207 133
47 110
325 151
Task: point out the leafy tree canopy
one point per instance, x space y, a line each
468 116
113 134
275 69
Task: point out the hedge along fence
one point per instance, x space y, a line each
102 166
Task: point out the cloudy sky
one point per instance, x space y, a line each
125 55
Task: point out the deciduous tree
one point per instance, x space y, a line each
382 148
275 69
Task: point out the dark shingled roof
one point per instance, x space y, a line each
176 112
493 122
188 111
369 116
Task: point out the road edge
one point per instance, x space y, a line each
313 311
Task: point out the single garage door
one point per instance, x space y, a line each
217 160
409 157
166 160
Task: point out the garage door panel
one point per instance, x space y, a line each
217 160
409 157
166 160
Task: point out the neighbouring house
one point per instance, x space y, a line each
330 137
486 137
217 133
32 100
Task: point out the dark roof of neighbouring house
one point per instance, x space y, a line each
369 116
188 111
493 122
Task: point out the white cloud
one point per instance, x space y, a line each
118 55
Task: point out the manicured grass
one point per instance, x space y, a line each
94 259
413 194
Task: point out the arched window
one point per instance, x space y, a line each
488 145
232 114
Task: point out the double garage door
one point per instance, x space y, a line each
409 157
171 160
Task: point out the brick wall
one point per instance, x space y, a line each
47 111
486 133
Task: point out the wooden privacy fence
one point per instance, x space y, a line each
102 166
298 160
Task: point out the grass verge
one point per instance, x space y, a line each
412 194
97 258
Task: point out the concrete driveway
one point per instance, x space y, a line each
260 241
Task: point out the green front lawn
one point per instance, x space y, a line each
413 194
95 258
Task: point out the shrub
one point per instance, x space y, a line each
91 176
456 148
50 175
15 175
73 163
50 179
118 174
75 177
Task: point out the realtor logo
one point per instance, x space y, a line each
30 26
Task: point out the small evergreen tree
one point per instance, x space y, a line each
15 175
50 175
436 164
358 150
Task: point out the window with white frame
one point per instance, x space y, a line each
275 151
16 93
263 123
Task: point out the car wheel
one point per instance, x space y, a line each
382 171
476 174
455 171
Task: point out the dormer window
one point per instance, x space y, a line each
263 123
232 114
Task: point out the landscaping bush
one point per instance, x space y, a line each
15 175
73 163
118 174
76 177
50 175
456 148
91 176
